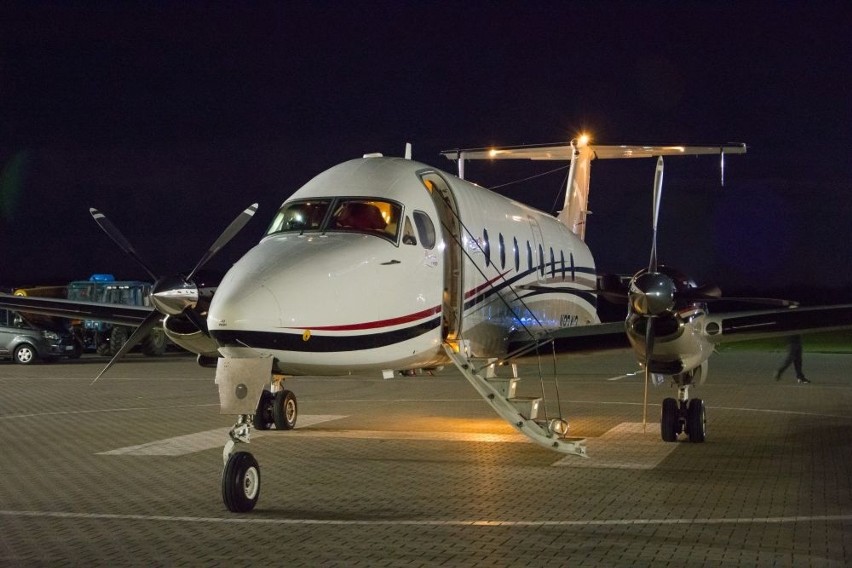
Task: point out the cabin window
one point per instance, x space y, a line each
425 229
517 254
529 257
552 264
486 247
300 216
502 252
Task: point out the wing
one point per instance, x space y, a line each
723 327
717 328
581 339
113 313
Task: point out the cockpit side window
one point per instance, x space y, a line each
300 216
408 237
425 229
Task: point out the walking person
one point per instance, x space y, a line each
794 357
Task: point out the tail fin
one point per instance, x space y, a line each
575 209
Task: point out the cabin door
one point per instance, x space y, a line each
451 231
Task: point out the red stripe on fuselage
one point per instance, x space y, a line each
375 324
394 321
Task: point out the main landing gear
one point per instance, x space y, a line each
241 476
683 415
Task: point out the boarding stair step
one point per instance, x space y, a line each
527 406
506 386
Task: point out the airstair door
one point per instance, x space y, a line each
453 259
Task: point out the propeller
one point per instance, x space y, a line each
652 293
175 295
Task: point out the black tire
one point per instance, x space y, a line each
241 482
263 416
696 421
669 420
285 410
102 348
117 338
25 354
155 344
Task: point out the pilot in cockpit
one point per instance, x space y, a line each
360 216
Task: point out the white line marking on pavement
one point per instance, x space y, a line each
623 447
431 523
98 411
201 441
625 376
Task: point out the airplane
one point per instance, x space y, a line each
385 264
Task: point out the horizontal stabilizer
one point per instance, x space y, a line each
602 152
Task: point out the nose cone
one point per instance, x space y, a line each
173 295
292 282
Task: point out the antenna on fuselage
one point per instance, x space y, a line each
408 150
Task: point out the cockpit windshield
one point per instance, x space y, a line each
362 215
300 216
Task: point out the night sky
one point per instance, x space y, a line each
173 119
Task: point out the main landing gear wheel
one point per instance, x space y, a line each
241 482
670 420
285 410
696 420
263 416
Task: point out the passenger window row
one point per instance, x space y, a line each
552 265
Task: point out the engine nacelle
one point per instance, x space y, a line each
184 334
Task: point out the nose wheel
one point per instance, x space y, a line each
241 482
241 476
683 416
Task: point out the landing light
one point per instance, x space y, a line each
582 140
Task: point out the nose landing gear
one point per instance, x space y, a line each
241 482
242 382
683 415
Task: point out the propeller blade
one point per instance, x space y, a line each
144 328
658 191
649 349
113 233
228 234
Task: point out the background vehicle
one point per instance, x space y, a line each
106 338
27 342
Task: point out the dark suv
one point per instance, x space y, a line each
27 342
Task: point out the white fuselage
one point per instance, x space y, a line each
327 296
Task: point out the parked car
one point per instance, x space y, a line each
26 342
